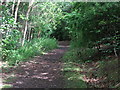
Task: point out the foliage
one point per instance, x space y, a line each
74 80
93 25
45 18
89 26
111 70
60 33
71 56
30 49
94 32
80 55
93 28
10 35
13 33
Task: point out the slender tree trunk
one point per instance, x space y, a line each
29 34
39 34
13 6
16 11
26 26
26 22
115 51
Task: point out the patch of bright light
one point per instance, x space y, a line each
44 53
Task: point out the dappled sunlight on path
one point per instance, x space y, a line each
41 72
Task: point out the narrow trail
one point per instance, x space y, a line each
42 71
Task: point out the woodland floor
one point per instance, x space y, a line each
42 71
45 71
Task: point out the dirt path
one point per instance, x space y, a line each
42 71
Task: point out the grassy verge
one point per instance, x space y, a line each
30 49
86 73
73 77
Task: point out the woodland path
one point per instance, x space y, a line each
42 71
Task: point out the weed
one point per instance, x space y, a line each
30 49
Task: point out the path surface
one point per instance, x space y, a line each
42 71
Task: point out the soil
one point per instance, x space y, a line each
42 71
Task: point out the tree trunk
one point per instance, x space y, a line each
26 22
115 51
39 33
16 11
13 6
29 34
26 26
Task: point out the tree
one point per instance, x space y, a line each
16 11
26 22
93 25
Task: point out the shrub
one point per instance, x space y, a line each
71 56
35 47
79 55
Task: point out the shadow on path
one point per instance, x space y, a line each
42 71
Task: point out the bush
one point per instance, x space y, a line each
79 55
71 56
35 47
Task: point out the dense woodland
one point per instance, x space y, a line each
93 29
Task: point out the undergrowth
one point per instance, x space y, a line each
79 55
30 49
106 68
74 78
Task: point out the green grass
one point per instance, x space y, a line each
79 55
6 86
107 68
30 49
72 72
110 69
74 79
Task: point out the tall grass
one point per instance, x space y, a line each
30 49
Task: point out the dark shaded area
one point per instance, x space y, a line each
61 34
